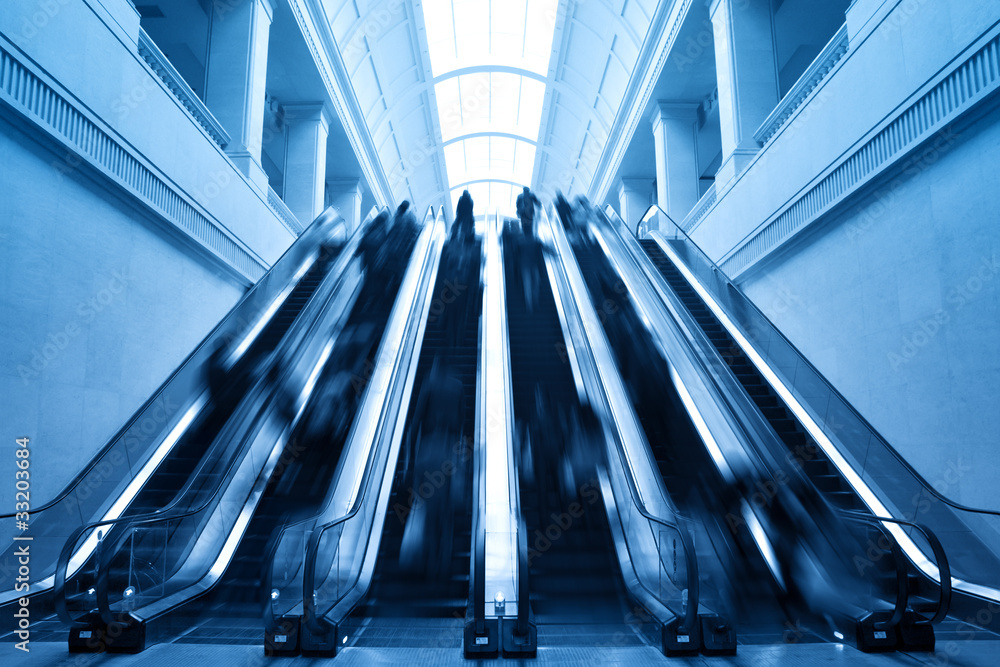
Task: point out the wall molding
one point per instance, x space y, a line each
954 91
318 36
32 94
667 20
176 84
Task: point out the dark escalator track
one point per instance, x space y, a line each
433 585
577 593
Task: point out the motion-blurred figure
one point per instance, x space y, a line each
464 228
526 203
438 477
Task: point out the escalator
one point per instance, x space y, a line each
734 572
232 611
577 596
428 578
801 449
149 463
923 555
157 561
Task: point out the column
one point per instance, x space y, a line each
747 75
236 78
307 129
634 198
344 194
675 138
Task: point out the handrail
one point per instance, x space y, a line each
901 567
167 513
940 556
478 582
317 623
691 561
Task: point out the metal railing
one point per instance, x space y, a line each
589 342
332 589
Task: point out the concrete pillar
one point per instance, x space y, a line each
747 75
345 195
236 78
675 138
634 198
308 126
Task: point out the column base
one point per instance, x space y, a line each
251 168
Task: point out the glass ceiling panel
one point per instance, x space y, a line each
489 157
489 34
490 102
471 33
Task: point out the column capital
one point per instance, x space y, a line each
713 6
345 183
307 111
673 110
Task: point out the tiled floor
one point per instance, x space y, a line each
959 654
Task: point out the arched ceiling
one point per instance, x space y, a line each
488 94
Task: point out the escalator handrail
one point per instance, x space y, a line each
478 574
691 560
940 556
317 623
167 512
610 213
901 566
322 219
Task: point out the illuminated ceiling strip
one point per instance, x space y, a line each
486 180
489 69
499 135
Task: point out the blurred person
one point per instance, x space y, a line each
464 228
565 210
437 476
525 205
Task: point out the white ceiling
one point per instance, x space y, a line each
493 107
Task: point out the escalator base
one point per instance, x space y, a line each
319 646
677 642
283 641
915 634
486 645
872 640
515 646
126 635
717 636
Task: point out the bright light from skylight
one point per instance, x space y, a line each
489 119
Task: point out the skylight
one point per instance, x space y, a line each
489 60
